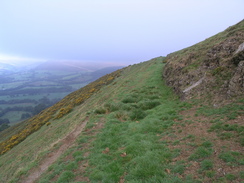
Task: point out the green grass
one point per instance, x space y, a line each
232 157
179 167
206 165
131 134
134 147
200 153
66 176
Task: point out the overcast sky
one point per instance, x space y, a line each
121 31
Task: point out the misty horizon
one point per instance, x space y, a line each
122 32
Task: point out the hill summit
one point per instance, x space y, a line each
130 126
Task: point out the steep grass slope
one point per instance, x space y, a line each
132 130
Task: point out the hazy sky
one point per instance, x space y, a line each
123 31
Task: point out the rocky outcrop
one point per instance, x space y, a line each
211 68
236 84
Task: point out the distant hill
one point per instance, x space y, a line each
6 68
62 66
132 126
70 66
103 71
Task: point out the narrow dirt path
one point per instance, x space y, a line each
50 158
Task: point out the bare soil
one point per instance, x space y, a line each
197 127
50 158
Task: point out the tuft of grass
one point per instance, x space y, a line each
71 166
66 176
149 104
210 173
226 135
100 111
206 165
77 154
231 157
230 177
137 114
207 144
179 167
242 174
130 99
111 106
241 141
201 153
122 115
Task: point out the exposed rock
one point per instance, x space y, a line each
240 48
236 84
193 86
239 55
212 68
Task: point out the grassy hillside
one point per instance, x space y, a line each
133 129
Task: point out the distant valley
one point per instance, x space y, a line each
26 91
